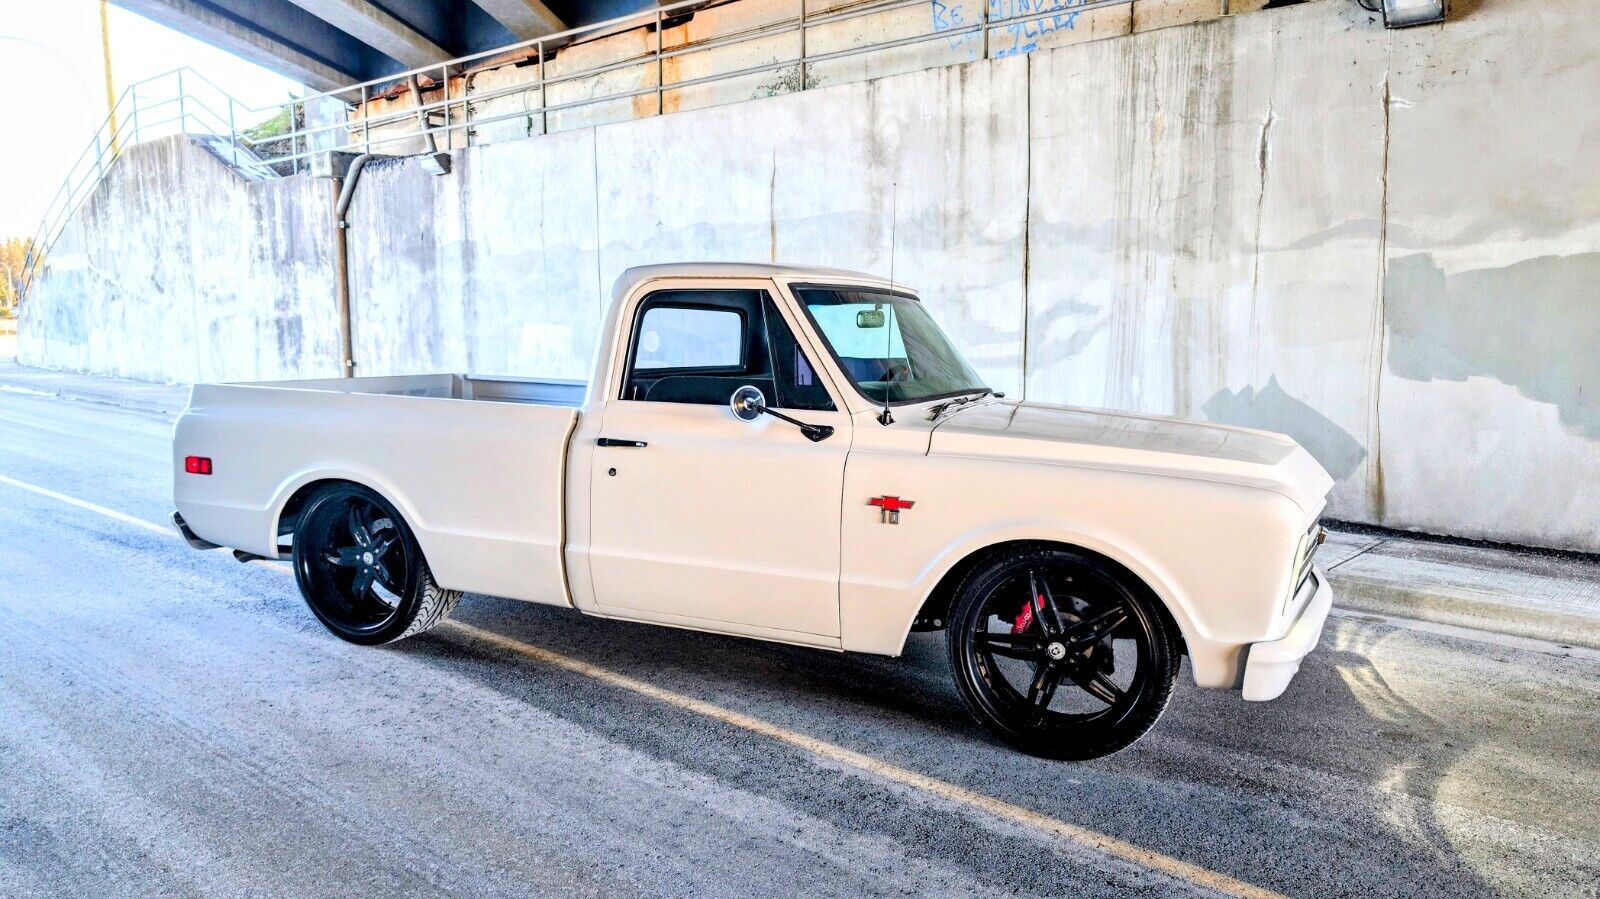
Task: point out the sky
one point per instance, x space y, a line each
52 88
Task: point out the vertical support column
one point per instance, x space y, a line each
660 65
985 21
183 118
233 135
366 129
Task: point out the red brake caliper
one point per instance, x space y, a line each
1024 619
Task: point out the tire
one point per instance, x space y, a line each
361 570
1059 653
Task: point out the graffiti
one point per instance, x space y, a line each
1012 38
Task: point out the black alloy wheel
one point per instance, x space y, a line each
1060 654
361 570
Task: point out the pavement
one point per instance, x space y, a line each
1512 591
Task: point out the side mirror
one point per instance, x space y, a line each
747 403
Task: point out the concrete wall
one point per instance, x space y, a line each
1386 244
176 269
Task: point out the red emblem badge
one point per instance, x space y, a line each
890 507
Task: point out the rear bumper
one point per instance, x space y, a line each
1270 666
189 535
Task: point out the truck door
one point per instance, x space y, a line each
699 518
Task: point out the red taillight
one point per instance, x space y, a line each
197 464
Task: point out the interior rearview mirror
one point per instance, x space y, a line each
870 318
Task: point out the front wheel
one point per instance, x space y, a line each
361 570
1059 654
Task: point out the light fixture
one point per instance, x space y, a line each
1406 13
436 163
330 164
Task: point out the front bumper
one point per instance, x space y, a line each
1270 666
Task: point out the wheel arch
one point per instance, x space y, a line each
936 606
293 495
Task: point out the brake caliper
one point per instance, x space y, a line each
1024 619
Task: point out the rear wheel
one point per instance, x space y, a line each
1059 654
361 570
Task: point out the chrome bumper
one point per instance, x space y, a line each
1270 666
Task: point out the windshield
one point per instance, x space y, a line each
887 344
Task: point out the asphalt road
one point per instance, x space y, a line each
175 723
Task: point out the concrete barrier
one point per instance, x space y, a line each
1381 243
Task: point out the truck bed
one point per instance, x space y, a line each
476 466
568 394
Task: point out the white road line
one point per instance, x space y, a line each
152 527
1044 824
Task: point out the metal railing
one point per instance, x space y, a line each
184 102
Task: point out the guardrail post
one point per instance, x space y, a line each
233 135
544 106
449 138
803 43
366 127
660 65
183 119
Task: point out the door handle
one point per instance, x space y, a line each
611 441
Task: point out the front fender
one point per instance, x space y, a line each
886 629
1217 556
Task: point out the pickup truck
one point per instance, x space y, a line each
793 454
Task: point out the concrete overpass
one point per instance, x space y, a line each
326 44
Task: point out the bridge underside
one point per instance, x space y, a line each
326 44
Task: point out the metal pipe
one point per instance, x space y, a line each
343 190
422 115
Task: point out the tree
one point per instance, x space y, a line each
13 259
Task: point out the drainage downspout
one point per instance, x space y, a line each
422 114
344 189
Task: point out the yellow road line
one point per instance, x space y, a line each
1005 811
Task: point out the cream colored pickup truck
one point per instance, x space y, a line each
792 454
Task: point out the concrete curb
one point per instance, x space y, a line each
139 396
136 404
1459 608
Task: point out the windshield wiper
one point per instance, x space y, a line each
935 411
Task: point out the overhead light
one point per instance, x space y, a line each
1406 13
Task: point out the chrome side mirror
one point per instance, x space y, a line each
747 403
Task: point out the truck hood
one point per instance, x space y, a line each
1064 435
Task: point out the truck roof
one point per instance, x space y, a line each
640 273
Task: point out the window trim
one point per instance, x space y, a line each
630 361
844 371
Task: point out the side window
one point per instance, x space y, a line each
699 346
690 337
798 386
